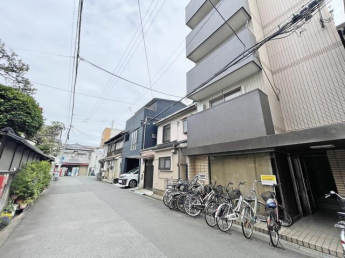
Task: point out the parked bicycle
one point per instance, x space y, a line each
276 215
341 215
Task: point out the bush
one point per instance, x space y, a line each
31 180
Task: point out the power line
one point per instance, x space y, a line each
147 61
80 13
124 79
302 17
82 94
120 64
40 52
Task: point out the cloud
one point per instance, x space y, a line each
107 29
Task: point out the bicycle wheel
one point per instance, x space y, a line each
222 221
274 235
247 227
284 217
166 197
210 212
173 203
180 202
189 205
260 213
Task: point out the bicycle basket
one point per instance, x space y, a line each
267 195
235 194
207 189
341 202
218 190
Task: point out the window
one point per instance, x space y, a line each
119 145
165 163
185 126
134 139
216 101
232 94
126 137
166 133
227 96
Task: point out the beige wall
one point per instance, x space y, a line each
198 165
160 178
307 66
337 162
176 126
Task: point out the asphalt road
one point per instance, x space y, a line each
82 217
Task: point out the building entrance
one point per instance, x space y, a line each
313 179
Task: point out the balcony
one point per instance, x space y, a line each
219 59
244 117
196 10
212 30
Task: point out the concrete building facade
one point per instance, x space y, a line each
280 111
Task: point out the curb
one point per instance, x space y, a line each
5 233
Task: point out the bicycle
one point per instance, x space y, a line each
226 214
221 193
276 215
196 202
341 215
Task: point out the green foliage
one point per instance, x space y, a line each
19 111
46 138
4 221
31 180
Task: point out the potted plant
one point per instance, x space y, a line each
4 221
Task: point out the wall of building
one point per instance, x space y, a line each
308 67
161 177
337 162
198 165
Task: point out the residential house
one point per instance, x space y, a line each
141 132
280 111
15 152
165 162
111 163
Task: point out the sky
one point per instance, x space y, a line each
48 27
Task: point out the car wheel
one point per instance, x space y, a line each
132 183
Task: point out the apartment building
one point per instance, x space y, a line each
280 111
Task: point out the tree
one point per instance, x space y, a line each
13 70
46 139
19 111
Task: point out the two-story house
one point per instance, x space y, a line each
165 161
111 163
280 111
142 134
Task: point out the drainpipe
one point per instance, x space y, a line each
178 163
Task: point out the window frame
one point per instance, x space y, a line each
184 122
163 136
224 95
134 140
164 168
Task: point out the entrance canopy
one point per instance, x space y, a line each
325 137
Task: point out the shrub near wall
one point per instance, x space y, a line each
31 180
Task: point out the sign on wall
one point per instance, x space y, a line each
268 179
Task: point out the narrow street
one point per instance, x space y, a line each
82 217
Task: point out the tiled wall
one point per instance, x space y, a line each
198 165
308 67
337 161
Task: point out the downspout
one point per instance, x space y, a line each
179 163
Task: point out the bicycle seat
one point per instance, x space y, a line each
249 199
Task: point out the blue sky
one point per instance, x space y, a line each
107 28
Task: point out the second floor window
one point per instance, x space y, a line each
134 139
166 133
184 126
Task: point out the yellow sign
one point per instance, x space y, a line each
268 179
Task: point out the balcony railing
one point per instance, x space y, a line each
196 10
218 60
115 152
212 30
244 117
